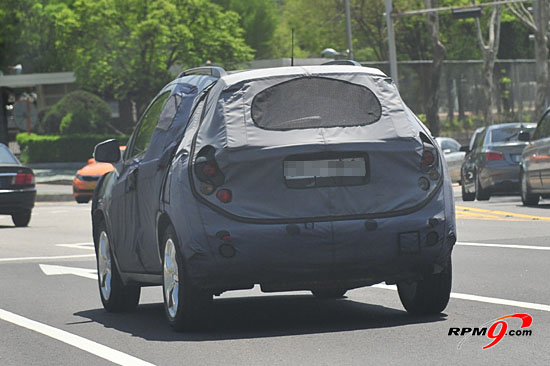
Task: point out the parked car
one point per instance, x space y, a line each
298 178
453 156
492 166
535 164
17 188
86 178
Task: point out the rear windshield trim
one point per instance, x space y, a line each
263 127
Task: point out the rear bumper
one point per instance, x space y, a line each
354 253
503 179
14 201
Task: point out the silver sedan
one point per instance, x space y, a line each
453 156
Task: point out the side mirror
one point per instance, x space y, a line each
524 136
465 149
107 152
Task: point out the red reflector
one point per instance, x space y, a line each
224 195
428 158
22 179
494 156
209 170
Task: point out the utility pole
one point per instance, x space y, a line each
391 43
348 31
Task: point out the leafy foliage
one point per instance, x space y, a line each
78 112
126 49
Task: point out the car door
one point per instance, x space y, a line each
169 124
124 213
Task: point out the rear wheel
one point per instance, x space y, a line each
329 293
186 305
115 295
481 194
21 219
429 295
527 197
466 196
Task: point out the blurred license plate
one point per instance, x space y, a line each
326 172
516 157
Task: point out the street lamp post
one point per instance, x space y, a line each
348 31
391 43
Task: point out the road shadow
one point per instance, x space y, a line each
261 317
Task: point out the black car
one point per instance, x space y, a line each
300 178
492 166
535 164
17 189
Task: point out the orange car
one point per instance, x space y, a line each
86 179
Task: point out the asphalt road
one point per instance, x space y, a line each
50 312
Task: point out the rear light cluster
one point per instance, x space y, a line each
492 155
428 163
210 174
23 179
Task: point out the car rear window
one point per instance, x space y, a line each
313 102
6 157
509 134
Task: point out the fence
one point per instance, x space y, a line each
461 95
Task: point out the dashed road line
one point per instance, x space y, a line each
87 246
510 246
74 340
485 299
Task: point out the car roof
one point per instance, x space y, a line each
234 78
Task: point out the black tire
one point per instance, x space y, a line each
81 199
429 295
21 219
481 194
466 196
119 297
335 293
527 198
188 310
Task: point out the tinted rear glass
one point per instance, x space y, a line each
509 134
315 102
6 157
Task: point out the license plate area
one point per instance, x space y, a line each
329 169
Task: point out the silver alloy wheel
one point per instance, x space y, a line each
171 278
104 265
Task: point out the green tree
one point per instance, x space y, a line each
126 48
30 35
259 19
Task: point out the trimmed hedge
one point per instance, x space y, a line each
67 148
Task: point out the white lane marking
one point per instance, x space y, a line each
511 246
23 259
84 344
87 246
489 300
51 270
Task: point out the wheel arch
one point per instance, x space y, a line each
163 222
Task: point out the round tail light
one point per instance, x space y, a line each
224 195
